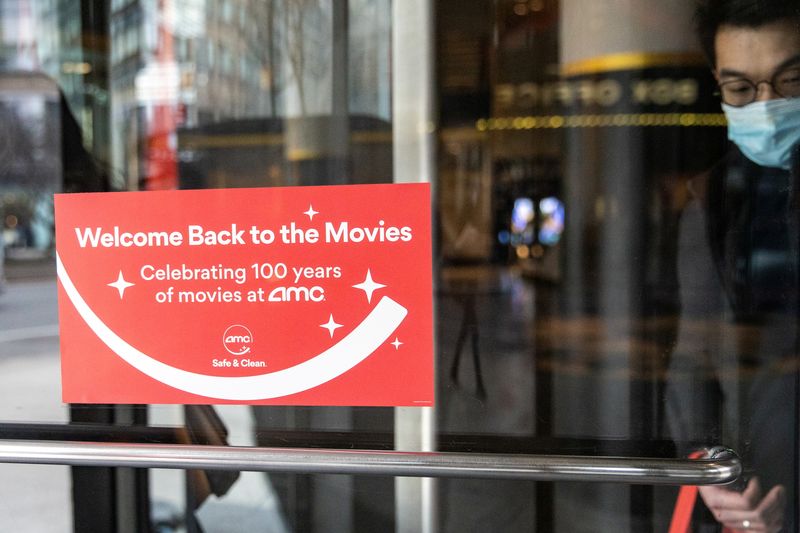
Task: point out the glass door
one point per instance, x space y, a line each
615 284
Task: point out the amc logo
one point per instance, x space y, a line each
237 340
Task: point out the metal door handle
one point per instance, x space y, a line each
722 467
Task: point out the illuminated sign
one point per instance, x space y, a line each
603 93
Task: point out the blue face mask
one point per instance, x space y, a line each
765 131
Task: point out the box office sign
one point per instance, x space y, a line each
285 296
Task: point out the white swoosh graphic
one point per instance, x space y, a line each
335 361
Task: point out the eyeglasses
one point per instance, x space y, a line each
740 92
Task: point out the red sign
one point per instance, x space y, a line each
285 296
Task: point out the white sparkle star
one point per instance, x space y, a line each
121 285
331 325
396 343
311 212
368 286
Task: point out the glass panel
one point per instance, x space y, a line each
598 289
613 277
181 94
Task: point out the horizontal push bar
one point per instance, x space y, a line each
721 467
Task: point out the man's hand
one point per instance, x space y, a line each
747 511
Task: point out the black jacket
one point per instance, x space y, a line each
733 376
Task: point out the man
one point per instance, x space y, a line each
745 234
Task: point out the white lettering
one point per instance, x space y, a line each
297 294
379 233
116 238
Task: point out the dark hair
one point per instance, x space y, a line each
711 14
